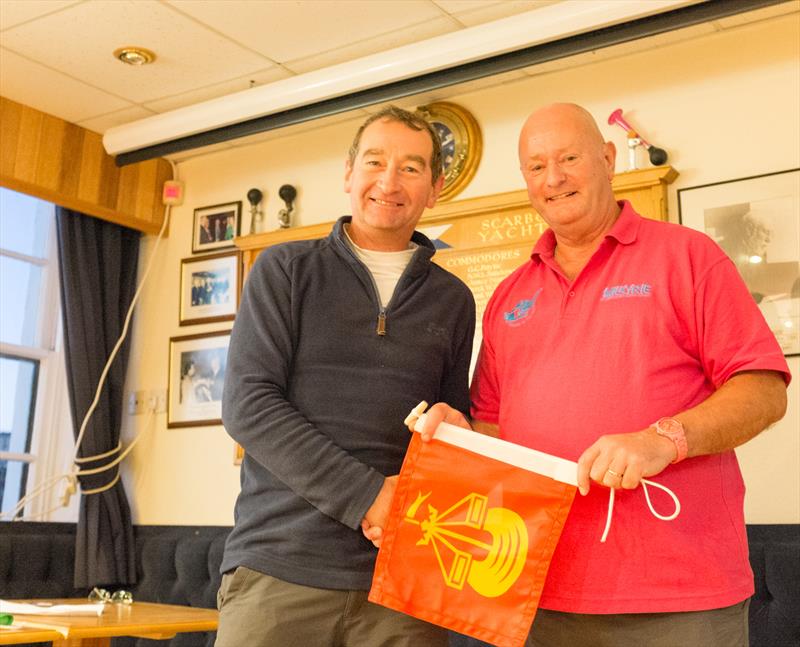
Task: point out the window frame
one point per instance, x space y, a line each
50 432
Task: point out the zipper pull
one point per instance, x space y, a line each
381 329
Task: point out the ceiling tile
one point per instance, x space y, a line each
217 90
485 12
56 54
286 31
80 41
454 6
54 93
15 12
384 42
102 123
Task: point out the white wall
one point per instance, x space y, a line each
725 105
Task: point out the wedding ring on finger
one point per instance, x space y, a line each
613 473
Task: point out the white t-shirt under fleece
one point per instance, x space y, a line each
385 267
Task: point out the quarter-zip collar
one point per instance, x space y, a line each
417 267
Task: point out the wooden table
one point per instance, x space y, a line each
140 619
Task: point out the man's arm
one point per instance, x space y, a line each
739 410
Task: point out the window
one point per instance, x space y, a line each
31 368
18 381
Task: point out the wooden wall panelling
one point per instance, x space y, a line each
60 162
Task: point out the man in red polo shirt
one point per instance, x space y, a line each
633 347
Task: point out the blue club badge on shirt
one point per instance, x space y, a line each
521 310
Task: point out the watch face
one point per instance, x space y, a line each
461 144
669 426
673 429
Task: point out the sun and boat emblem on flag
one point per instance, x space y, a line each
474 544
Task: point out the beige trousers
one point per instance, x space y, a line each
257 610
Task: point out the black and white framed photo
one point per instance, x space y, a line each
209 288
196 374
216 226
756 220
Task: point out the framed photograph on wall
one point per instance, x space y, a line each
756 220
209 288
216 226
196 373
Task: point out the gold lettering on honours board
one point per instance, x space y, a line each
504 228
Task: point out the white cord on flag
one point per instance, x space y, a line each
645 483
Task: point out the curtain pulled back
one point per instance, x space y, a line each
98 263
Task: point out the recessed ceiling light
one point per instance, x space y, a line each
135 55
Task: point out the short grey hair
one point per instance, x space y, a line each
414 121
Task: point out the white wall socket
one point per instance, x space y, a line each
154 400
136 403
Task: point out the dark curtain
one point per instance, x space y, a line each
98 262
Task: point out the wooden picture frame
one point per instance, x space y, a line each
216 226
209 288
196 372
756 221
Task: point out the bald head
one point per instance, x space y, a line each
568 116
568 168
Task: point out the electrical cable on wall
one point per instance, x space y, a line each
72 484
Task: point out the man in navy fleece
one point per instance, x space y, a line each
335 341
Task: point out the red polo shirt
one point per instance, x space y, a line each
657 320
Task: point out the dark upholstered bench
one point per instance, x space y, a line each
180 565
775 606
174 565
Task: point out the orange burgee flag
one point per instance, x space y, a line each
473 526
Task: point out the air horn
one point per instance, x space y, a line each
287 193
658 156
254 197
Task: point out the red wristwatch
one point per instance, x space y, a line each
673 429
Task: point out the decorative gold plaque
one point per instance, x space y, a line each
462 144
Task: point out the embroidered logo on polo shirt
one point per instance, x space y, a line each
627 290
521 311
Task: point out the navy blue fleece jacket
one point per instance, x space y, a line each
316 397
